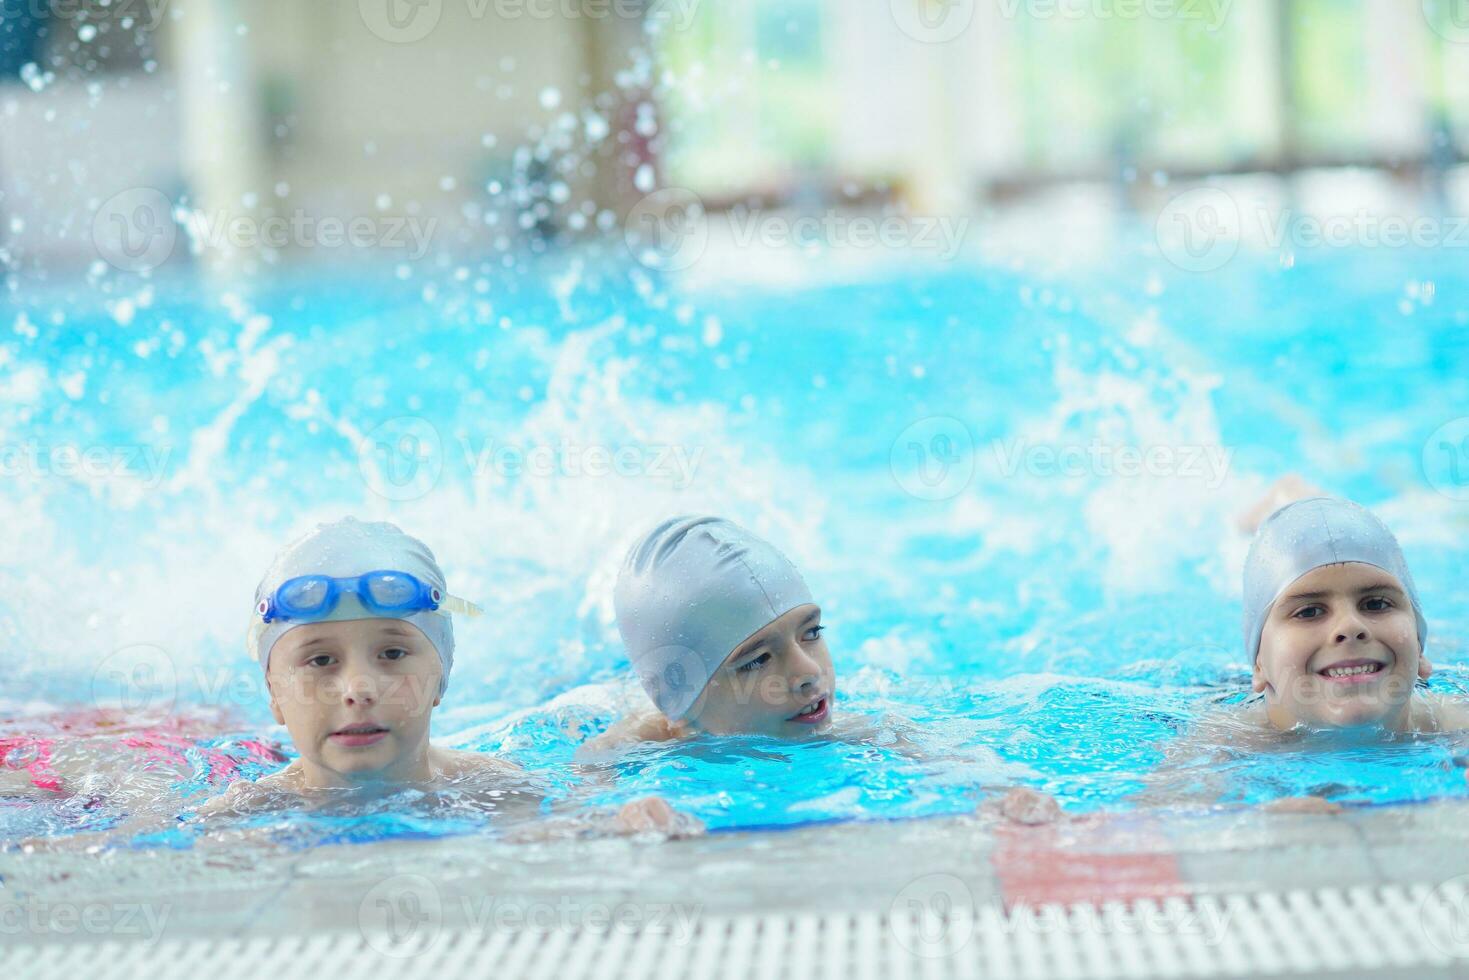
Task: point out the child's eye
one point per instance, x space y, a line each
814 633
1376 603
755 664
395 653
1309 612
320 660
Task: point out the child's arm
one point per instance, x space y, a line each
646 726
1016 804
649 815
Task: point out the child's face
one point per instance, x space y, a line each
778 682
356 698
1340 649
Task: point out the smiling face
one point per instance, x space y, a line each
778 682
1340 649
356 697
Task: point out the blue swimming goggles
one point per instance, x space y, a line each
386 592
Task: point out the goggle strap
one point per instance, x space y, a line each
454 604
252 638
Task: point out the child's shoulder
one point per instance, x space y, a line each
253 795
1445 714
461 764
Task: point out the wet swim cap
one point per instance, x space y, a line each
689 592
1306 535
346 548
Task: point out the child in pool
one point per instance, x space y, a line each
352 628
1336 638
726 639
1334 628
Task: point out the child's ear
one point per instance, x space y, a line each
1257 678
1425 666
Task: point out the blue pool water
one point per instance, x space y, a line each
935 446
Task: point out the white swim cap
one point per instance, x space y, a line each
1306 535
689 592
347 548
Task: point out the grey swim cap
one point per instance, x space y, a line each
689 592
1306 535
351 547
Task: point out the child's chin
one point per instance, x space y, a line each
1360 716
359 763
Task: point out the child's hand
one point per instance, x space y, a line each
1027 807
1303 805
653 814
1286 490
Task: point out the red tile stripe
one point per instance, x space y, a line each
1086 860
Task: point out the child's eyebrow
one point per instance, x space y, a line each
747 649
1364 590
1380 587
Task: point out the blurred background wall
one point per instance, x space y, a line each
518 124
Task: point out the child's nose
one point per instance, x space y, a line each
805 671
1351 627
361 688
